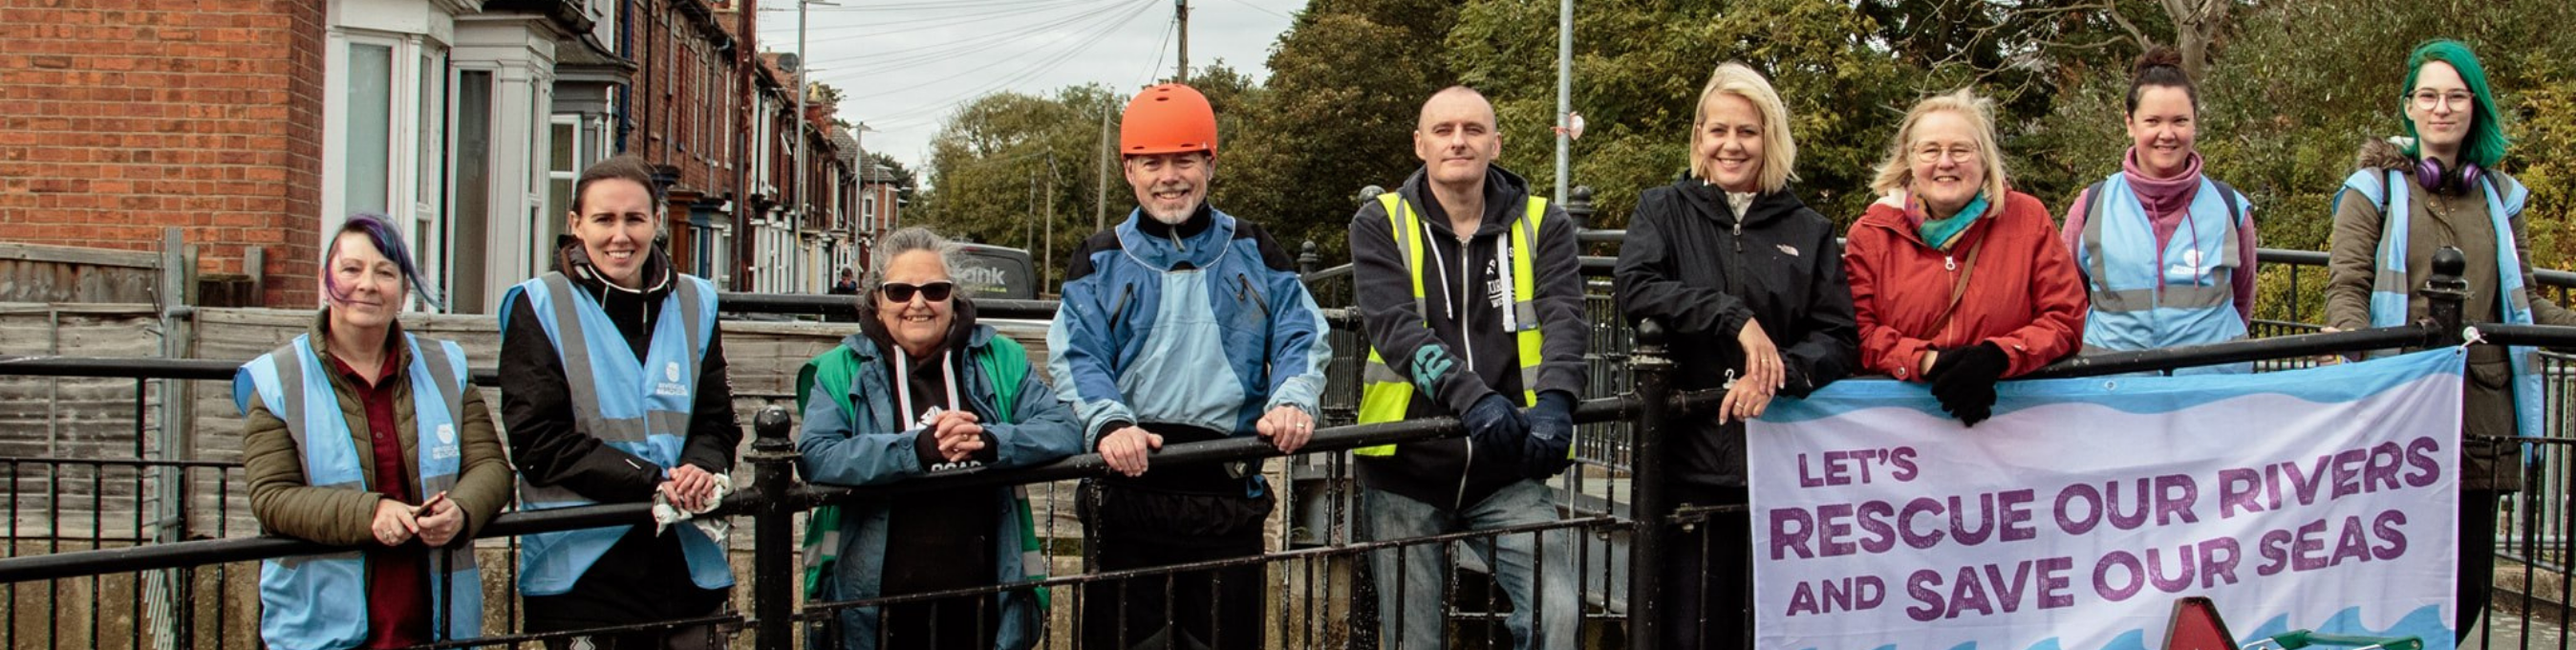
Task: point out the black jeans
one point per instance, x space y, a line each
1136 528
1716 609
2477 557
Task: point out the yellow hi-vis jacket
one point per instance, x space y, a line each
1386 392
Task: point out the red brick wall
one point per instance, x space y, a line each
126 116
683 93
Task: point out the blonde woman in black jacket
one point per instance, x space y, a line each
1750 281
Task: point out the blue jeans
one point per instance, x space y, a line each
1550 590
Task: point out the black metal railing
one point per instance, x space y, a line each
1611 503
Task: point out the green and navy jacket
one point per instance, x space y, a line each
319 602
1203 324
852 434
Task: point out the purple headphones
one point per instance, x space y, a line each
2430 172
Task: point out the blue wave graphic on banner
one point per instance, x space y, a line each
2425 623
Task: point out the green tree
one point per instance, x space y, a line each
905 181
1346 84
1637 90
1003 161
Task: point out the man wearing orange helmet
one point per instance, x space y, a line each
1182 324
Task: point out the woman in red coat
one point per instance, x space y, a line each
1957 280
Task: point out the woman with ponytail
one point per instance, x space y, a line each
2439 188
2167 253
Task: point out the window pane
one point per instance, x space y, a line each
563 158
559 196
370 122
473 188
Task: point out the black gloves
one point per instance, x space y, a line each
1551 435
1496 427
1964 380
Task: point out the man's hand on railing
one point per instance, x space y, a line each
1127 449
1287 427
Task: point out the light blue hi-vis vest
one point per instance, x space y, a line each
2146 298
639 408
2388 290
317 602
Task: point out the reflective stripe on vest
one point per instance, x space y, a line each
320 601
2145 297
1385 393
641 408
2389 293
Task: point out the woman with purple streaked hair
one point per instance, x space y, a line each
362 435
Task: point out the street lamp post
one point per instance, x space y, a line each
803 175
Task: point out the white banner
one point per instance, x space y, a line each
2321 499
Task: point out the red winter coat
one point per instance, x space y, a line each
2024 294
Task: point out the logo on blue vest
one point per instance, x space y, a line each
446 447
671 387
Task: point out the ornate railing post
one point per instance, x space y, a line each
1653 374
773 542
2444 293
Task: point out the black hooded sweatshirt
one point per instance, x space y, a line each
1459 288
1691 262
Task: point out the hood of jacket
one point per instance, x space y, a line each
1504 192
573 260
2380 154
1194 243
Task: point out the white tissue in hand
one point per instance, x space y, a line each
666 513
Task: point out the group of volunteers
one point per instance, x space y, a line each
1187 324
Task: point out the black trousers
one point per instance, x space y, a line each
1714 609
2477 557
1133 528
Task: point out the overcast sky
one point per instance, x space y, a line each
905 65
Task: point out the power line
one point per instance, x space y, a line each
1262 9
932 53
935 109
1159 50
945 21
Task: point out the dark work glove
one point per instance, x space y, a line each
1495 428
1551 435
1964 380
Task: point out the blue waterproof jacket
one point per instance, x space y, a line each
1203 324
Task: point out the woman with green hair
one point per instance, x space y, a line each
2441 185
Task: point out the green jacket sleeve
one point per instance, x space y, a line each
282 501
484 484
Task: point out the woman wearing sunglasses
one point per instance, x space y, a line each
923 389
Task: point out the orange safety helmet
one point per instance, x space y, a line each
1167 118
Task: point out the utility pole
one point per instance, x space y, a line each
1183 6
1564 95
1046 273
802 64
1100 194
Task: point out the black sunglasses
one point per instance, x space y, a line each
934 292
